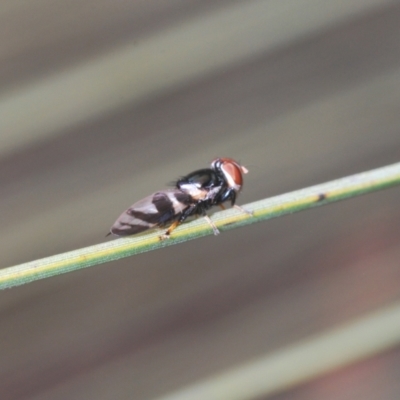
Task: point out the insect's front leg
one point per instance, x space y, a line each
243 210
232 198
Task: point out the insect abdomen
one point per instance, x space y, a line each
157 210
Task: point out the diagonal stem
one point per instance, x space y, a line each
262 210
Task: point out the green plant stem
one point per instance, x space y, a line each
262 210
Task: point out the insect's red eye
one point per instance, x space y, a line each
232 170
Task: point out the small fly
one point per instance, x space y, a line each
192 195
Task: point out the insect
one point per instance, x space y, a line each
192 195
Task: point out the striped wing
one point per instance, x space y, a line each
157 210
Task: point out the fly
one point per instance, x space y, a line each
192 195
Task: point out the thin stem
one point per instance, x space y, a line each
303 199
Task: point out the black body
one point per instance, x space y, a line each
213 181
192 195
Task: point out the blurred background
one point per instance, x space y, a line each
104 102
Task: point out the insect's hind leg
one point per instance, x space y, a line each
175 224
167 233
186 214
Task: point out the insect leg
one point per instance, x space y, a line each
232 198
189 211
243 210
167 233
201 209
214 228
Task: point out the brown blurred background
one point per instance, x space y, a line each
104 102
